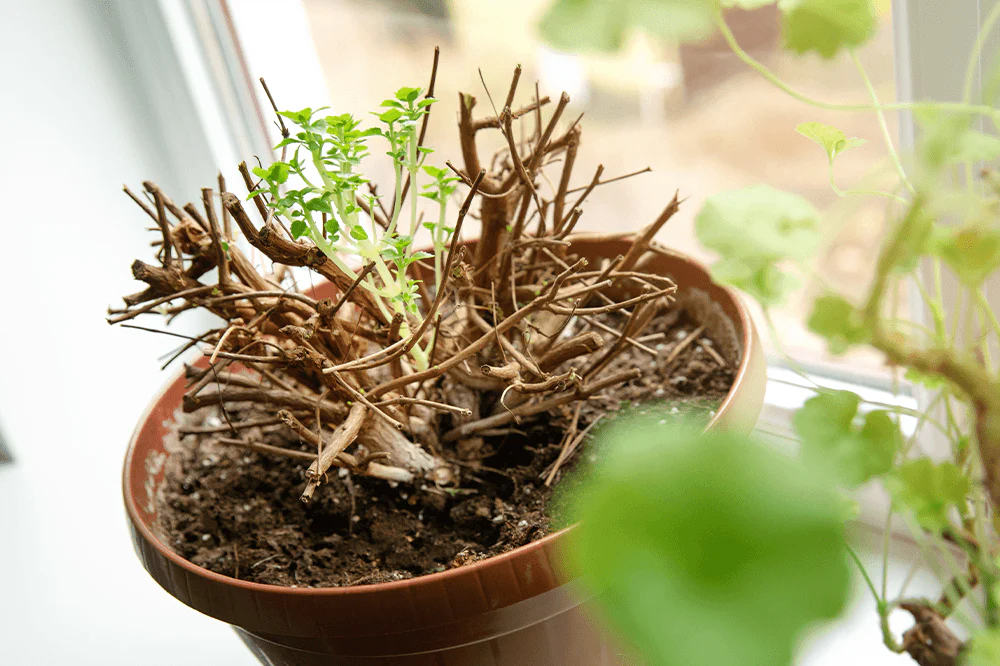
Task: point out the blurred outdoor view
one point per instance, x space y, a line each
701 119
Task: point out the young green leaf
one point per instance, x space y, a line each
947 138
299 228
584 25
754 229
827 26
932 382
832 440
929 490
833 140
706 550
358 233
837 321
765 282
435 172
408 94
390 116
298 117
320 205
979 147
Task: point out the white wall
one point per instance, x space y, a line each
77 121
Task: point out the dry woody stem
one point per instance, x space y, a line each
510 333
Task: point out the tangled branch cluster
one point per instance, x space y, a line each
505 326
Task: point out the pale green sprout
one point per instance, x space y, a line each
318 191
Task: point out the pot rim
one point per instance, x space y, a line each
543 544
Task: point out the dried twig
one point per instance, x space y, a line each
350 360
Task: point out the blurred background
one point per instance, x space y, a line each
101 93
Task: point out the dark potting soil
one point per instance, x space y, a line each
238 513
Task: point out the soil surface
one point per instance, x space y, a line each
238 513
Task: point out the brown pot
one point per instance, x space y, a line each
516 609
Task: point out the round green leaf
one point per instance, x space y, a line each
837 321
674 20
933 382
827 26
929 490
584 25
753 230
390 116
831 439
408 94
707 550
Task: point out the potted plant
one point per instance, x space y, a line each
745 544
357 470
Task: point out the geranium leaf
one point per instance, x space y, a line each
707 550
979 147
837 321
603 25
299 228
833 440
827 26
928 489
584 25
754 229
983 649
947 138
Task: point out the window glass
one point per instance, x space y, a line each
696 115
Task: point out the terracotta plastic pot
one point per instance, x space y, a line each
516 609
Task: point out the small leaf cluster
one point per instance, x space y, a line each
318 189
326 158
835 437
833 140
401 118
758 231
439 190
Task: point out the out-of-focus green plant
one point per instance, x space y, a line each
707 550
942 216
